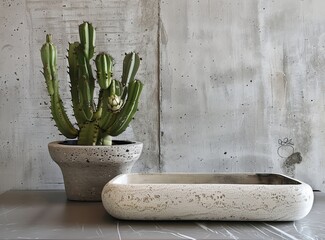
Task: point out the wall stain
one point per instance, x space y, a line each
7 46
289 165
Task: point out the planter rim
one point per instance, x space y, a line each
59 144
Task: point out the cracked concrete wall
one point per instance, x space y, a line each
229 85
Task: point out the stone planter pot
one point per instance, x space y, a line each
86 169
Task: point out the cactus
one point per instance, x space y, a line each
117 101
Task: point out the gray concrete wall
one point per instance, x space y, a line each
25 123
226 83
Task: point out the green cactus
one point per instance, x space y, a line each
117 100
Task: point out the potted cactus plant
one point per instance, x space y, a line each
91 159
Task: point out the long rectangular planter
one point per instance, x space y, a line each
195 196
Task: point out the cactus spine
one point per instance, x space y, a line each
117 100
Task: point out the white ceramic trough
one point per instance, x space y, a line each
228 197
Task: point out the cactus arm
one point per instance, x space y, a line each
124 109
92 39
126 114
73 73
99 110
107 118
131 64
84 88
91 81
61 119
104 64
49 56
89 133
118 88
87 35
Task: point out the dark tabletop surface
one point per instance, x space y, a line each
48 215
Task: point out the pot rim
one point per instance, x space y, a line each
61 145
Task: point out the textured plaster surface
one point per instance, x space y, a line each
242 87
229 85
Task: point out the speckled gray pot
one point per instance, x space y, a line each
86 169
